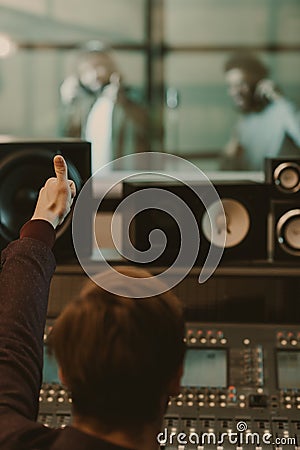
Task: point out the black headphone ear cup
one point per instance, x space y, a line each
24 169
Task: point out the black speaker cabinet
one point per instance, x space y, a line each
286 230
283 176
24 168
246 206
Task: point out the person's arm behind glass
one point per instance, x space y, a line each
231 158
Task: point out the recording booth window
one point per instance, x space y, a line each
182 84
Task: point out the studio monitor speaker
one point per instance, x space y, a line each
246 206
286 230
24 168
283 178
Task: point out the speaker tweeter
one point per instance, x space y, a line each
283 175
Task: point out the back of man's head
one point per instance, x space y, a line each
119 354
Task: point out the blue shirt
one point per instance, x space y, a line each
261 134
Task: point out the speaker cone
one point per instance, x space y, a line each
288 232
22 174
287 177
234 230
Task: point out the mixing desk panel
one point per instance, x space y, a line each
234 374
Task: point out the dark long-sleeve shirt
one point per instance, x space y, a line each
27 266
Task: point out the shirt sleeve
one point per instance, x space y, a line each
40 230
291 119
27 266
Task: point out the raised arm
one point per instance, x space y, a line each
27 266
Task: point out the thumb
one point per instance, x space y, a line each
60 167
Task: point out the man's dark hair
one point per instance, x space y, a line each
249 64
118 354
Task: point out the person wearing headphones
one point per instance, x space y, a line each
98 107
268 124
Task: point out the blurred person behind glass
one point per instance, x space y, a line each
98 108
268 124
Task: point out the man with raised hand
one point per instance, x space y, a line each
121 356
